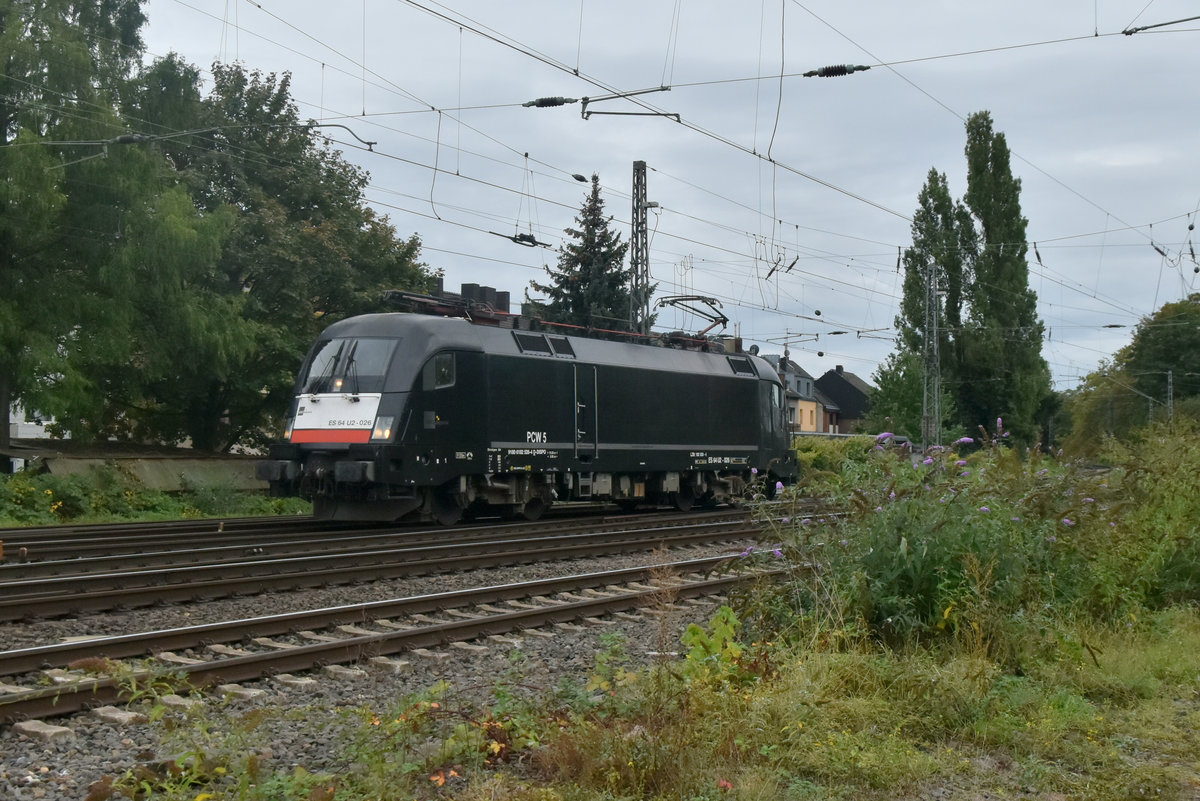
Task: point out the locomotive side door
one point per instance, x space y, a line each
587 416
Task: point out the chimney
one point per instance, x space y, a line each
838 368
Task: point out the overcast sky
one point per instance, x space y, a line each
758 171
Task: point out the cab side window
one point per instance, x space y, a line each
439 372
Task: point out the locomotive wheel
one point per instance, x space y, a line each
444 507
683 499
533 509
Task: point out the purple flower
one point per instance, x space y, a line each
749 550
961 462
878 508
754 471
1006 433
786 520
1068 521
892 495
806 521
1016 520
928 460
886 435
965 473
964 441
1043 472
778 485
999 423
984 509
1089 500
878 447
1052 539
778 551
845 543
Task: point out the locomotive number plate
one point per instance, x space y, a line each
335 418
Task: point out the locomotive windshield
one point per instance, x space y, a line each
351 365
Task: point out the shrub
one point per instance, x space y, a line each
981 545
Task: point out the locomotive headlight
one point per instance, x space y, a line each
383 428
287 432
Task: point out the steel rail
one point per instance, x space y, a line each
280 545
124 646
69 698
64 595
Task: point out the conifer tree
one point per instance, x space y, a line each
589 287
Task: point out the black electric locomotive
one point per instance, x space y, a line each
407 414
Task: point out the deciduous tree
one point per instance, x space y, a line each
989 337
63 67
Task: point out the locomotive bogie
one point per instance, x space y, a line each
450 418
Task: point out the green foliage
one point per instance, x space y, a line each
107 493
166 289
982 547
1131 390
713 654
589 287
989 337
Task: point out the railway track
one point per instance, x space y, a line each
96 585
354 634
79 542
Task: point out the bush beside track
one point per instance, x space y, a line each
114 491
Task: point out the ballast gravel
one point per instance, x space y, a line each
303 722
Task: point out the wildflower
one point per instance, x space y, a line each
777 551
965 473
806 521
984 509
1016 519
1006 433
1052 539
878 508
1089 500
845 543
886 435
892 495
928 460
999 424
1068 521
1043 472
961 462
749 550
877 448
778 485
964 441
723 784
754 471
785 520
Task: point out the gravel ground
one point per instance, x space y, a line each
292 732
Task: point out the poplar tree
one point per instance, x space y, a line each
1002 372
989 336
589 287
